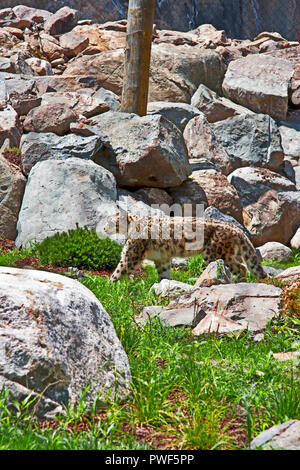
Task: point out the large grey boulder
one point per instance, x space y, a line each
250 140
251 183
144 151
56 339
60 194
37 147
260 82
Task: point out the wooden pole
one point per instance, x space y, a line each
137 56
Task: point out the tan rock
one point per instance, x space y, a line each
12 185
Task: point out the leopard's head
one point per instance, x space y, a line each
118 223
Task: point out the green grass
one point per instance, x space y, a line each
210 392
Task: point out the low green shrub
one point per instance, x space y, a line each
80 248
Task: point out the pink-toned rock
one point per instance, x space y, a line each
210 37
51 117
175 74
176 37
202 143
120 25
218 192
63 21
19 33
216 108
260 82
32 14
291 55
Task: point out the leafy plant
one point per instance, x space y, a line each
81 248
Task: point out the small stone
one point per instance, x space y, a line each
295 241
215 273
274 251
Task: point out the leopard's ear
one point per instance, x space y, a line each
130 217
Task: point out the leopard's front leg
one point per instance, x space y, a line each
131 258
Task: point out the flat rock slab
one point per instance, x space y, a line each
285 436
55 339
221 308
260 83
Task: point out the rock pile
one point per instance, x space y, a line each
223 113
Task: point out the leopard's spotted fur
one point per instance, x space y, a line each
221 240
